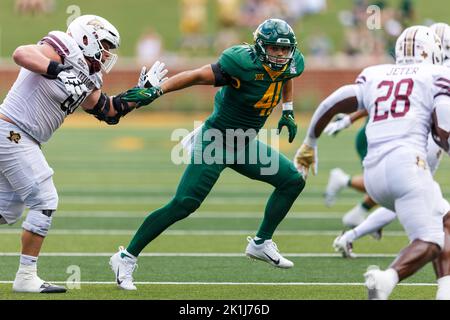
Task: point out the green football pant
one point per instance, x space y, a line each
198 180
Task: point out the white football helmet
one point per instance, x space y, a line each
89 31
418 44
443 32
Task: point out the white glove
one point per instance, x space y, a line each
335 127
154 77
74 86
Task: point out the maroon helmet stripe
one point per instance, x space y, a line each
414 43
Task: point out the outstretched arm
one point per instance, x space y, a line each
200 76
333 128
343 100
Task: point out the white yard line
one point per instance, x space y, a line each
199 214
234 283
233 200
114 232
196 254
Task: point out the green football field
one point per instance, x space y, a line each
109 178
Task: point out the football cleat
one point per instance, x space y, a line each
123 267
268 252
378 284
337 180
340 244
27 281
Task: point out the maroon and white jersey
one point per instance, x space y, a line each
400 100
39 105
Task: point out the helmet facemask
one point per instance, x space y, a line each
277 62
105 58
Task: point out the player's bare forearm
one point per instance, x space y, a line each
200 76
358 115
35 58
343 100
288 91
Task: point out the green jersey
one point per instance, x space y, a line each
254 91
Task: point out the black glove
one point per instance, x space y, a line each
54 68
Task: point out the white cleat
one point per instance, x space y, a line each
378 284
123 266
27 280
337 180
268 252
340 244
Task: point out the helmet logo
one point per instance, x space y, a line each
96 24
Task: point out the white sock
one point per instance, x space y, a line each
26 260
375 221
355 216
393 276
443 292
350 235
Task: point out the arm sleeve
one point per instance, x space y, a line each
222 78
343 100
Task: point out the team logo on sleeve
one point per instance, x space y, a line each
293 69
14 137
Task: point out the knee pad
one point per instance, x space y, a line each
294 185
38 221
42 196
184 206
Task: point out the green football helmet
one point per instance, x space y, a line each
274 32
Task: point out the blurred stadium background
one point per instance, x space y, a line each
109 178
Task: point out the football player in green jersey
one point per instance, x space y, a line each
253 80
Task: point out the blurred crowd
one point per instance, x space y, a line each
369 27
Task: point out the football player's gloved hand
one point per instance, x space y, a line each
333 128
74 86
306 157
142 96
153 77
287 119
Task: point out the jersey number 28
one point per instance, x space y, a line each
405 85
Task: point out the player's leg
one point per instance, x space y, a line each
358 213
30 178
373 223
404 184
442 264
196 183
288 184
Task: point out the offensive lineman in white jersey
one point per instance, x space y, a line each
404 102
60 73
382 216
